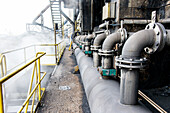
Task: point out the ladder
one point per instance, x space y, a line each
55 6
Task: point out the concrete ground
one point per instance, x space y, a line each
65 92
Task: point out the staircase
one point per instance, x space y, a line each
55 6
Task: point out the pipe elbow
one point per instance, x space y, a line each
99 39
82 39
137 42
111 40
89 37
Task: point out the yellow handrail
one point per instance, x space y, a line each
7 77
3 58
33 91
36 70
2 80
56 54
3 65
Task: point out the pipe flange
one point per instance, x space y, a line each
95 48
131 63
106 52
86 43
160 37
123 33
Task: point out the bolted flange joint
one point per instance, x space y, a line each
123 33
86 43
95 48
130 63
160 37
106 52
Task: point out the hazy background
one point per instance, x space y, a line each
14 14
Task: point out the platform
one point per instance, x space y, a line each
65 92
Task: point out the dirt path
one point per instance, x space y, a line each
65 92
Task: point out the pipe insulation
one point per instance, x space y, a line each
103 95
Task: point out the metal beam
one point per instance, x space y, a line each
67 17
35 23
39 15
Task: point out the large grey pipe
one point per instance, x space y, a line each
108 44
132 50
98 41
103 95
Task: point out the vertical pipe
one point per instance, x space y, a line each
129 86
107 62
96 59
1 99
131 50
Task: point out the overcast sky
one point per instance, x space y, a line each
14 14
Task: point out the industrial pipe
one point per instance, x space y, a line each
82 40
152 39
77 40
88 42
98 41
103 95
107 49
111 41
131 50
137 42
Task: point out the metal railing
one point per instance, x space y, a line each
56 54
36 71
59 50
30 93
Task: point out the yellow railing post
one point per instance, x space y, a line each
57 53
30 87
55 41
39 77
1 99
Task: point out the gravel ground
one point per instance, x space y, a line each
65 92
